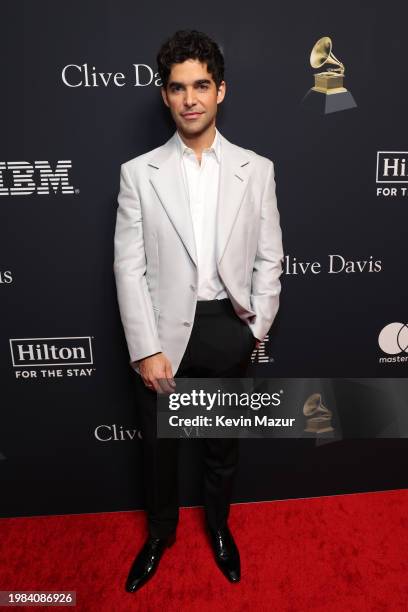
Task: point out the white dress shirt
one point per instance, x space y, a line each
201 183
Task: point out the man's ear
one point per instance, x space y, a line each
221 92
164 95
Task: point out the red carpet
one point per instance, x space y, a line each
340 553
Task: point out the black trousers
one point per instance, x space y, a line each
220 345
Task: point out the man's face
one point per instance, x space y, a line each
192 96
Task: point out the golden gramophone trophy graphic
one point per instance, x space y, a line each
318 417
328 94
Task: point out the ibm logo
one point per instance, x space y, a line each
23 178
36 352
260 355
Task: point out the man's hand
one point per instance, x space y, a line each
157 373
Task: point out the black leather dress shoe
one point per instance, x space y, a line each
147 561
226 553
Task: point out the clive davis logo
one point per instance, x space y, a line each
23 178
43 357
392 173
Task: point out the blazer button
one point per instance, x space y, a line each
186 323
192 287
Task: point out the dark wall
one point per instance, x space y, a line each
56 247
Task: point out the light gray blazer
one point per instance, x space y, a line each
155 262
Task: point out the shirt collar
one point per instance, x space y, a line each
215 147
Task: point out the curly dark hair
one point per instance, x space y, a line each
190 44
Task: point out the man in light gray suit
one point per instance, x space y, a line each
198 253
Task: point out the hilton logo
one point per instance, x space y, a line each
44 353
23 178
392 169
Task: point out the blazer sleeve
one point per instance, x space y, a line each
267 267
135 305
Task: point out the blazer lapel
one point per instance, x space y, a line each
233 182
169 186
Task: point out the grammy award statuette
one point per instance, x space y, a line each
328 94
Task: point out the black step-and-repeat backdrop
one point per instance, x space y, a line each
80 95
